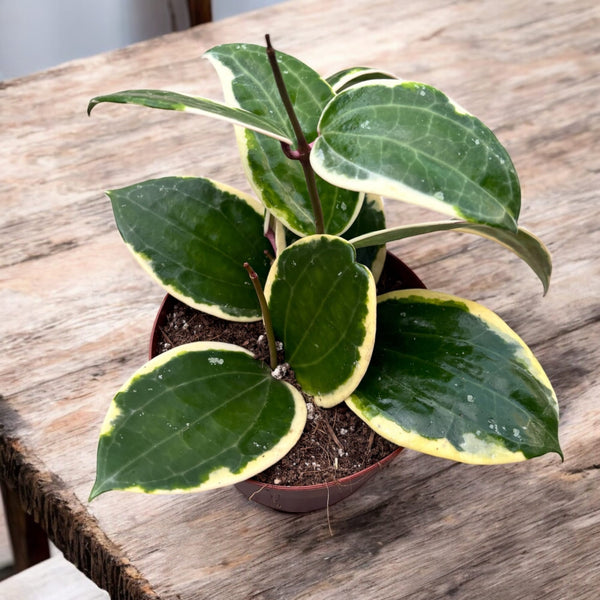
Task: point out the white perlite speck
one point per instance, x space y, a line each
280 371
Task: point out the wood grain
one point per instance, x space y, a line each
77 313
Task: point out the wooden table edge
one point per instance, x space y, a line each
45 498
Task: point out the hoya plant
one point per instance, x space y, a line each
424 369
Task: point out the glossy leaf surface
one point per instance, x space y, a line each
411 142
524 244
197 417
278 181
173 101
448 377
323 309
193 236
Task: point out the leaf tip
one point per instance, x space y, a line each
547 276
96 490
559 451
546 285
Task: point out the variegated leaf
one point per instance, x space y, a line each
278 181
523 243
322 306
409 141
193 236
448 377
200 416
354 75
173 101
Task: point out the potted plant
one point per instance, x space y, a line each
424 369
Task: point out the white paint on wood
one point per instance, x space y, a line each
52 579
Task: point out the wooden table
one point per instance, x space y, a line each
77 310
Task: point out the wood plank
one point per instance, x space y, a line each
52 579
79 311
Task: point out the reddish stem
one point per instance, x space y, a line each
266 314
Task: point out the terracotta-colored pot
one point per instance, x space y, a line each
306 498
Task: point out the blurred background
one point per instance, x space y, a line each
38 34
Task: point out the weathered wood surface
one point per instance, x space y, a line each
77 312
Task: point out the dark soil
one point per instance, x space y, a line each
335 442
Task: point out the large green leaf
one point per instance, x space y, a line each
279 182
173 101
448 377
410 142
197 417
193 236
323 308
523 243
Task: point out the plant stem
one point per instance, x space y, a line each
285 97
302 152
313 194
266 314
